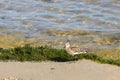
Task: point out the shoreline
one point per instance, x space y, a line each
81 38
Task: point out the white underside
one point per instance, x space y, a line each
75 53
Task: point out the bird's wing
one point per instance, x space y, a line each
77 49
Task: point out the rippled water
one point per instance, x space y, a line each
31 16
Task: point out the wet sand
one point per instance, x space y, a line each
81 70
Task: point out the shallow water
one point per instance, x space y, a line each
30 17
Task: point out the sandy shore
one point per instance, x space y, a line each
81 70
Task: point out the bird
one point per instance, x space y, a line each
74 50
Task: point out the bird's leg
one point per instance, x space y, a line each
75 59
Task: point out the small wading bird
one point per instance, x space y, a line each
74 50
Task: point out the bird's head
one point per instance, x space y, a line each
67 45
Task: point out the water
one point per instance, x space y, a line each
30 16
